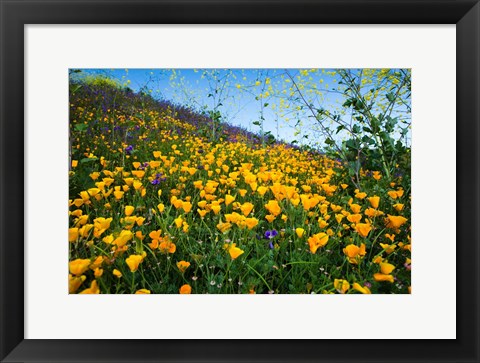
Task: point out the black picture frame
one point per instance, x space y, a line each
15 14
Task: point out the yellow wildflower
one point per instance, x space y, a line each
133 261
362 289
79 266
317 240
185 289
183 265
93 289
299 232
342 286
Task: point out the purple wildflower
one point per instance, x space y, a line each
129 149
271 234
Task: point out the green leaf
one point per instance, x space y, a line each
375 124
351 170
81 127
368 140
352 144
76 88
329 141
358 105
256 123
87 160
391 122
356 129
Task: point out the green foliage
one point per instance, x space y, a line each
376 147
101 81
137 153
374 121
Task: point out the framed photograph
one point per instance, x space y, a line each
273 161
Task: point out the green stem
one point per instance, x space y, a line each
261 277
132 288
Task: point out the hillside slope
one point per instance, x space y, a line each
157 206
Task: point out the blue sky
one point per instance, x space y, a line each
242 94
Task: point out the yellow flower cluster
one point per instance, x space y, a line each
179 197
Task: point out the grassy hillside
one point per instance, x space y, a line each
156 206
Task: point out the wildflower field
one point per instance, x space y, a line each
157 204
